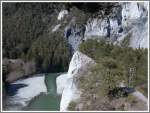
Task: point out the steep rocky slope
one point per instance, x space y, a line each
123 20
56 30
66 84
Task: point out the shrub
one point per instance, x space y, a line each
50 53
72 106
126 41
115 65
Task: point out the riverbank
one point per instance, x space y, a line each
49 101
39 94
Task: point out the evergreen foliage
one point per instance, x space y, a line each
27 35
114 65
118 59
50 52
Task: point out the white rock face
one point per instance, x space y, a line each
133 17
61 82
56 28
36 85
96 27
127 13
66 83
62 14
139 36
134 10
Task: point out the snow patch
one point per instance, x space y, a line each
36 85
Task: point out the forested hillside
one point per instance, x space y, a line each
115 66
27 35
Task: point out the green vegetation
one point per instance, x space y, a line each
117 59
125 42
72 106
26 24
115 65
22 24
27 35
75 12
50 52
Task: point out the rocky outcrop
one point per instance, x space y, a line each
14 69
136 22
74 35
66 84
127 17
62 14
123 19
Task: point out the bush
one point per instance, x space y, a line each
115 65
72 106
125 57
126 40
50 53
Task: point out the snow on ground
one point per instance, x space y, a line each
36 85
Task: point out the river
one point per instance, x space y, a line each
50 101
46 101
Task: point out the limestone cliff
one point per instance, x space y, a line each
66 84
125 18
